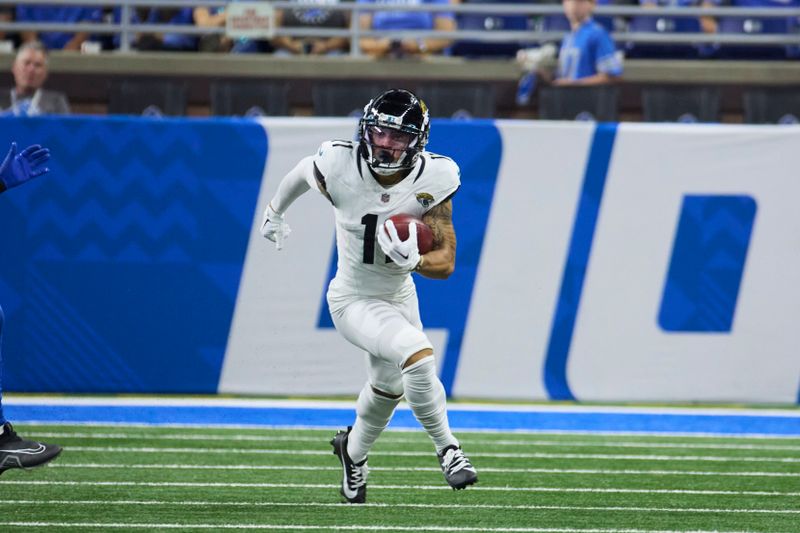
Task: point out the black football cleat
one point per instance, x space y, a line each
16 452
354 476
457 470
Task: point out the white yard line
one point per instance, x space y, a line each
400 487
297 527
195 503
594 456
626 472
390 438
12 399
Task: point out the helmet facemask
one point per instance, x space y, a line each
393 131
389 150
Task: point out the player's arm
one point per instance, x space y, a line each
292 186
440 262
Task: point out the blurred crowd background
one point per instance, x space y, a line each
654 60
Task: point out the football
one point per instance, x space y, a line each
424 232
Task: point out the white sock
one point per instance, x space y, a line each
373 414
427 399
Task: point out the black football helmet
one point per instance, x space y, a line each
393 131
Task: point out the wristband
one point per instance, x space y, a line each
419 265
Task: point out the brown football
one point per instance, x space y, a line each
424 232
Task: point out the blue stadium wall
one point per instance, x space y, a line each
605 263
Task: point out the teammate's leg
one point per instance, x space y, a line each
2 418
16 452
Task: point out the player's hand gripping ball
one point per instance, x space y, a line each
424 232
404 250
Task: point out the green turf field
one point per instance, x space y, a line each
164 479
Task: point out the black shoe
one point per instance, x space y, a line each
457 469
16 452
354 480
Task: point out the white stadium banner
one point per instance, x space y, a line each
626 262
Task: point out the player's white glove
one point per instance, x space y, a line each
404 253
274 228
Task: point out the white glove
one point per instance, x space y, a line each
405 254
274 228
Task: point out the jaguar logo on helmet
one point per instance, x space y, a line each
401 117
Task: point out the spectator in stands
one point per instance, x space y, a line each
217 17
15 452
707 24
587 55
172 42
646 23
405 20
58 40
114 16
27 98
312 17
212 17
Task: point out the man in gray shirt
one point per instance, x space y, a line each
28 98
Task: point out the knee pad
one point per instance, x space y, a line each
403 343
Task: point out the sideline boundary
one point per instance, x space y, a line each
225 412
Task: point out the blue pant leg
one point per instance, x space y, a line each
2 418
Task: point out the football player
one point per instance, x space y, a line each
372 298
16 452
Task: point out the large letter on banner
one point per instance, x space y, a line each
692 291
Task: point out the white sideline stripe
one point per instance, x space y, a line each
461 430
401 487
541 455
11 399
404 505
348 528
388 439
431 469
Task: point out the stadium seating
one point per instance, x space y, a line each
680 104
489 22
771 106
759 26
649 24
249 98
599 103
147 97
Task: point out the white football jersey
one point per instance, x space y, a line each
361 205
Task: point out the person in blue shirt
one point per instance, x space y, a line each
58 40
173 42
587 55
16 452
405 20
